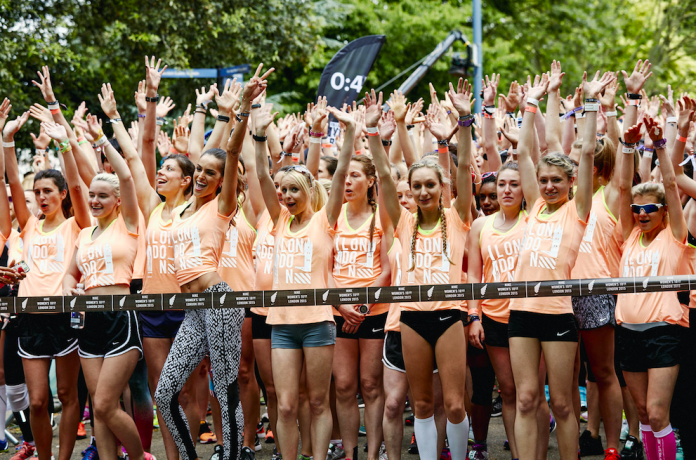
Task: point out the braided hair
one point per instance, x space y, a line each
441 210
370 172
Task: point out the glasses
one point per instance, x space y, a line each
302 170
489 174
646 208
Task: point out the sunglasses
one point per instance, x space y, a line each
647 208
489 174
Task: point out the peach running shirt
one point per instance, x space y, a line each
394 316
664 256
160 275
264 249
499 252
595 255
48 255
431 264
108 259
141 256
236 262
15 247
198 240
302 261
549 249
357 263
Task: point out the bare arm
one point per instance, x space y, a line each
461 99
12 170
338 182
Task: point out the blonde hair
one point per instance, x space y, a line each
604 157
649 188
326 183
309 187
443 221
562 161
110 179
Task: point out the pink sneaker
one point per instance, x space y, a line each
25 452
149 456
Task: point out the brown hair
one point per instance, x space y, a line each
604 157
370 172
443 221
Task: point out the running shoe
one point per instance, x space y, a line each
247 454
205 434
217 453
506 444
680 451
583 417
383 452
260 430
365 448
552 424
336 452
155 420
362 431
583 398
624 430
4 446
303 457
85 413
257 445
632 450
497 409
24 452
270 439
478 452
413 448
361 402
589 445
149 456
81 431
264 418
611 454
276 455
90 453
445 454
408 421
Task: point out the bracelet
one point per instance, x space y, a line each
681 138
8 144
646 153
510 114
83 141
466 120
282 155
489 109
648 149
531 108
386 143
488 115
629 150
591 107
55 111
359 152
316 134
671 119
591 99
315 140
372 130
660 144
243 114
52 103
635 96
326 145
373 134
152 99
473 318
140 115
65 146
255 137
295 157
202 112
101 141
627 144
255 106
410 127
443 142
533 101
223 118
611 114
571 113
161 121
203 105
114 120
635 102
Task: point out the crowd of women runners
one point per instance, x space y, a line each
599 186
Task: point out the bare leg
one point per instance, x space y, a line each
36 371
346 373
395 390
500 358
287 369
248 387
319 362
262 351
305 416
67 371
373 392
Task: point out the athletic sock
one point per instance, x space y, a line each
426 437
666 444
649 442
458 437
3 411
22 420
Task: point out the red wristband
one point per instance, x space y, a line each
373 134
55 111
681 138
442 149
531 108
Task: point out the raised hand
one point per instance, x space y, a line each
686 112
386 130
55 131
512 100
461 98
435 127
107 101
80 112
203 97
345 117
414 111
254 87
94 127
373 109
397 104
264 118
5 108
667 106
42 141
320 117
164 144
539 88
633 134
555 76
641 72
165 105
229 99
45 85
181 138
139 96
653 128
41 113
594 87
15 125
608 97
511 131
490 89
152 74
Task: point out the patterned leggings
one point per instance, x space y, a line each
218 332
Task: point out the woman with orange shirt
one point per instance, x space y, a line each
432 329
198 234
554 231
109 342
654 237
304 229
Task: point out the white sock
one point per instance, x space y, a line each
3 410
17 397
458 437
426 437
